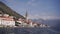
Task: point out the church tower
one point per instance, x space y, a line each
26 16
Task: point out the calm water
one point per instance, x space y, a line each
28 31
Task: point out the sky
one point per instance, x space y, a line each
44 9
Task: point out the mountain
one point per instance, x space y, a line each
38 20
7 10
54 23
51 22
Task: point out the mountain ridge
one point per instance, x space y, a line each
8 10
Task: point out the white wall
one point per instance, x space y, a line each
7 23
0 22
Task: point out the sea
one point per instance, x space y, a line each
37 30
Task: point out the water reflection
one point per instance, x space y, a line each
28 31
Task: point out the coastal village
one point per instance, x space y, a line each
7 20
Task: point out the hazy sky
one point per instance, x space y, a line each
45 9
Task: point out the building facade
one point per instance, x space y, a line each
6 20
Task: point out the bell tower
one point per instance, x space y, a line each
26 16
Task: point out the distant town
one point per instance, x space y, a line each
10 21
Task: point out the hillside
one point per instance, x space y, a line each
7 10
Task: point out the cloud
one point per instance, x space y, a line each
43 17
0 0
8 0
32 2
